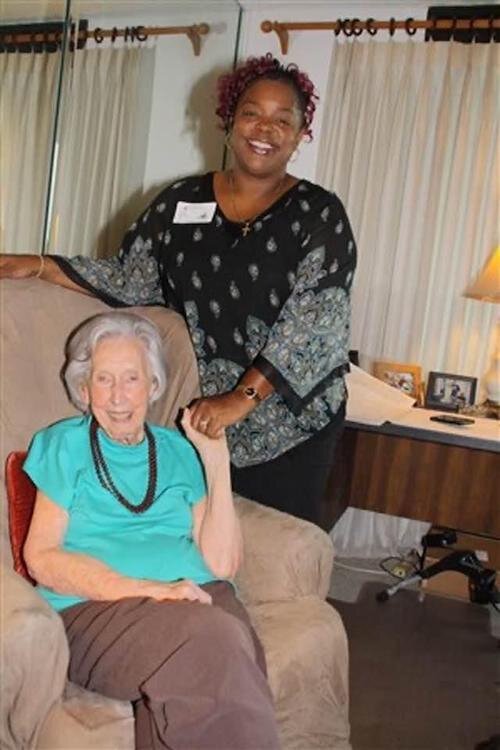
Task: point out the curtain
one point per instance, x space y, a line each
409 142
28 86
102 148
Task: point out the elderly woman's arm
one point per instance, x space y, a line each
82 575
216 526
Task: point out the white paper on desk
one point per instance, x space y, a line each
371 401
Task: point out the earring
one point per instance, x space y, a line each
294 156
227 140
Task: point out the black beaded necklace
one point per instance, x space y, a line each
104 474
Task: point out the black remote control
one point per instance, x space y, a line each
452 419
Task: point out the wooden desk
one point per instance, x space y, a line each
445 478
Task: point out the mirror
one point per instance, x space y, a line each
29 82
130 115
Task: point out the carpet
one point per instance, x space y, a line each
423 675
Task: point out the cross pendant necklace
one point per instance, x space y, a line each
247 223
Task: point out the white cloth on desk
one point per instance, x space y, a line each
371 401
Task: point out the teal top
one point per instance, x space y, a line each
157 544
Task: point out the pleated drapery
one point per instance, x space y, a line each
410 143
104 133
100 148
28 87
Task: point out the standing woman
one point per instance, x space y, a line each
260 264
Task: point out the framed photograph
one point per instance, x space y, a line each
448 392
404 377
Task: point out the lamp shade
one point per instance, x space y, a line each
487 285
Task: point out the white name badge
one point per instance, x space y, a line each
194 213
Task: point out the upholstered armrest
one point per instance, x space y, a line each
284 557
34 658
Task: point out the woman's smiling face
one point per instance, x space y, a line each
119 388
267 127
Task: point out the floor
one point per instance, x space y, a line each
424 670
350 575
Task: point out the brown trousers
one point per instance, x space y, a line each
194 672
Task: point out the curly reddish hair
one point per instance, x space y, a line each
231 86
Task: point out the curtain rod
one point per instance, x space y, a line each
355 26
132 33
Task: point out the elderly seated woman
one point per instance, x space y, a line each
134 542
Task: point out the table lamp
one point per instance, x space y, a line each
487 289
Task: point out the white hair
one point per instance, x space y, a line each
83 341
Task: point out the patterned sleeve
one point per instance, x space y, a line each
308 345
133 277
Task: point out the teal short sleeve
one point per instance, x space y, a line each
50 467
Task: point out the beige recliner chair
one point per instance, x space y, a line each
283 582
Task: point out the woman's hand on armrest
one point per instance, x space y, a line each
19 266
184 589
36 266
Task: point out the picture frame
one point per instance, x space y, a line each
449 392
401 375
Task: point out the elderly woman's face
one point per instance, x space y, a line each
119 387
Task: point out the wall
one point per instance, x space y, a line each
183 134
186 113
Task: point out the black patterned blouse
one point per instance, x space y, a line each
277 298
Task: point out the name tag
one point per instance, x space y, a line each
194 213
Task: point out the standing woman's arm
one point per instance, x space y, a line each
132 277
36 266
308 344
309 341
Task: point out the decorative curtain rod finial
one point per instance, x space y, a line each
281 31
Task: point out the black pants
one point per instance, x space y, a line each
295 482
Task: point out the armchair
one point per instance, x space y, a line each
283 582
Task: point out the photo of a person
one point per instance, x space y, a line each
457 393
438 392
404 381
450 392
405 377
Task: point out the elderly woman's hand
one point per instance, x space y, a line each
180 590
211 449
211 415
